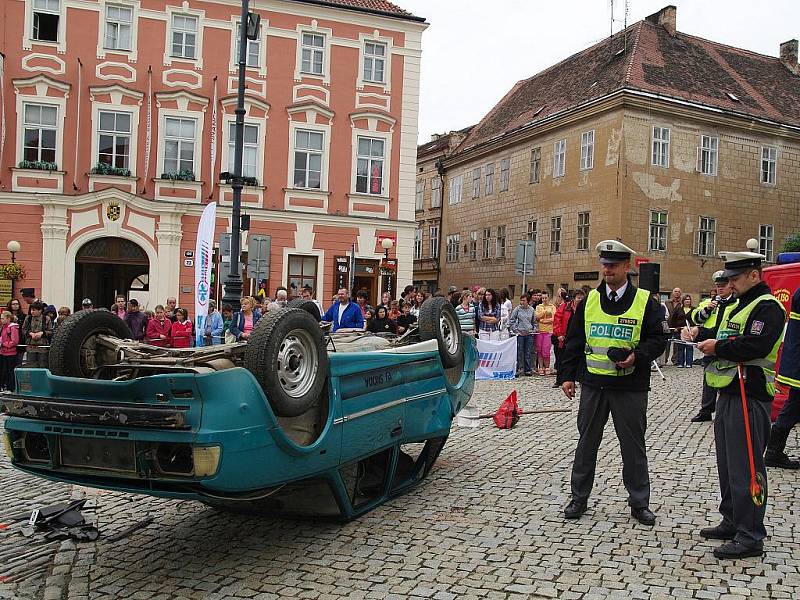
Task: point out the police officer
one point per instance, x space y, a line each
613 337
705 315
747 333
788 374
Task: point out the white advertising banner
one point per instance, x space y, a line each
202 269
497 360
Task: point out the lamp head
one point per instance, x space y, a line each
13 246
752 244
387 243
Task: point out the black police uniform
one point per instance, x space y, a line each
763 328
624 397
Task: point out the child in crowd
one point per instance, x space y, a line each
159 329
405 320
36 331
9 338
181 331
227 316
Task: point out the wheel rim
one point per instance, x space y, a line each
451 333
298 362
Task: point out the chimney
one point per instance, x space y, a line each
789 56
435 136
667 18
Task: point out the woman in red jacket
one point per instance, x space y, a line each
9 338
181 330
159 329
561 323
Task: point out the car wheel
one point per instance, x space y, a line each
438 321
75 350
286 354
307 305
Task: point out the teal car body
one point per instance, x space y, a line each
213 437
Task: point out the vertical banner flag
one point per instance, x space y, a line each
149 128
214 130
497 360
2 111
202 269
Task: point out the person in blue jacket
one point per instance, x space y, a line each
344 314
213 325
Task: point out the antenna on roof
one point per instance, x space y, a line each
612 20
625 26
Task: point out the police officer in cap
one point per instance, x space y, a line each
746 333
613 337
705 315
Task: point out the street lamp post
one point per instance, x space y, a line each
387 245
233 281
13 247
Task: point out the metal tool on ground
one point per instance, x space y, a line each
129 530
758 486
470 416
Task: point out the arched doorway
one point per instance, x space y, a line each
109 266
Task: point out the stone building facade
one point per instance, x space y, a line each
678 146
118 131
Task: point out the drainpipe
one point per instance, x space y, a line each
441 170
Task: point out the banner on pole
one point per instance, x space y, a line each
202 269
497 360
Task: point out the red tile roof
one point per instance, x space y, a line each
647 58
372 6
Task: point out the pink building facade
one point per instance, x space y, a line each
118 123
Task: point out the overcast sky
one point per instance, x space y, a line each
475 50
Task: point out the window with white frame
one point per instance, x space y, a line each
39 132
707 155
249 150
436 192
456 189
434 241
179 139
118 27
486 243
559 158
253 54
706 236
419 198
769 163
418 244
505 167
114 139
473 245
374 62
453 243
476 183
658 231
302 271
500 249
184 36
536 165
587 150
766 241
489 187
369 166
555 235
583 231
308 159
312 54
532 230
660 147
46 15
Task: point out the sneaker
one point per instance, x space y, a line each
679 366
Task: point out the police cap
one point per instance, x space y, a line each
720 277
739 262
613 251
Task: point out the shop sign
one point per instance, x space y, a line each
586 275
5 291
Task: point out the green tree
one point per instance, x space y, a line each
792 243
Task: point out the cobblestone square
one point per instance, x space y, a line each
486 524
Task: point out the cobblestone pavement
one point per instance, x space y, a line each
487 523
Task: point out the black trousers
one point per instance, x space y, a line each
7 366
708 402
737 507
629 411
790 413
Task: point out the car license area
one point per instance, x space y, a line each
94 453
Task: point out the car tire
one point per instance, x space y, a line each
438 321
307 305
73 349
286 354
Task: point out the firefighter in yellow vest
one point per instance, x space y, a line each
613 337
705 315
746 333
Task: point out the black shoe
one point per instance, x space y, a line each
780 460
528 373
644 515
556 385
736 550
701 417
718 532
575 509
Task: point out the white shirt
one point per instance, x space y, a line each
620 291
342 308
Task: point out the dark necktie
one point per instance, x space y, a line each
613 296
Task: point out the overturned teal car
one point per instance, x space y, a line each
297 421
